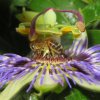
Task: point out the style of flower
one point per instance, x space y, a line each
58 64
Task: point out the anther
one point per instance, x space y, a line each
80 25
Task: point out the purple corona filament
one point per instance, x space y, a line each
12 68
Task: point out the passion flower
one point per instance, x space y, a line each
50 67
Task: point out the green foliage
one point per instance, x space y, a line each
76 94
91 13
94 37
59 4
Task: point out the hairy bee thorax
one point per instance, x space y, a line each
47 51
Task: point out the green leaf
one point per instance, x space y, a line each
33 97
19 2
88 1
91 13
94 37
39 5
76 95
53 96
59 4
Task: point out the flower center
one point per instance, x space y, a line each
48 51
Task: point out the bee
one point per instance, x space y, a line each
46 49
